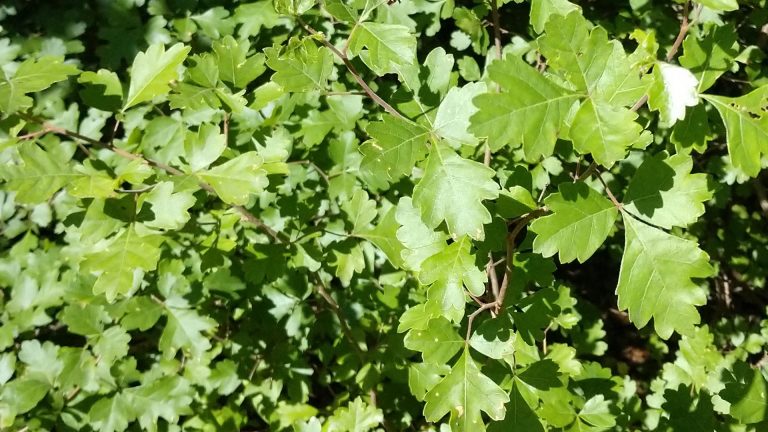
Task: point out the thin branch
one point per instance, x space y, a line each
313 166
509 264
167 168
352 70
496 28
490 269
612 197
474 315
320 287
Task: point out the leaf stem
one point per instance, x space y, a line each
352 70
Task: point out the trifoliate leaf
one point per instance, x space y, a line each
673 90
665 192
170 209
358 416
655 280
420 241
39 174
235 67
596 66
31 76
711 56
237 179
450 179
721 5
184 330
530 112
606 132
121 266
300 66
541 10
580 222
746 127
153 71
438 343
396 146
464 393
449 271
383 47
453 114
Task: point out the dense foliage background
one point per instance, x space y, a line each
353 215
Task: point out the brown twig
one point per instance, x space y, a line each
474 315
352 70
496 28
612 197
509 263
320 287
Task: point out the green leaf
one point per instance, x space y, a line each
452 120
111 414
423 377
383 47
360 210
438 343
237 179
292 7
420 241
152 72
693 132
40 172
746 389
184 330
541 10
664 191
24 394
597 67
203 148
580 222
721 5
530 112
710 57
102 90
448 179
449 271
596 412
655 280
235 67
168 397
465 392
396 146
121 265
520 416
358 416
746 127
384 236
31 76
301 66
171 209
606 132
